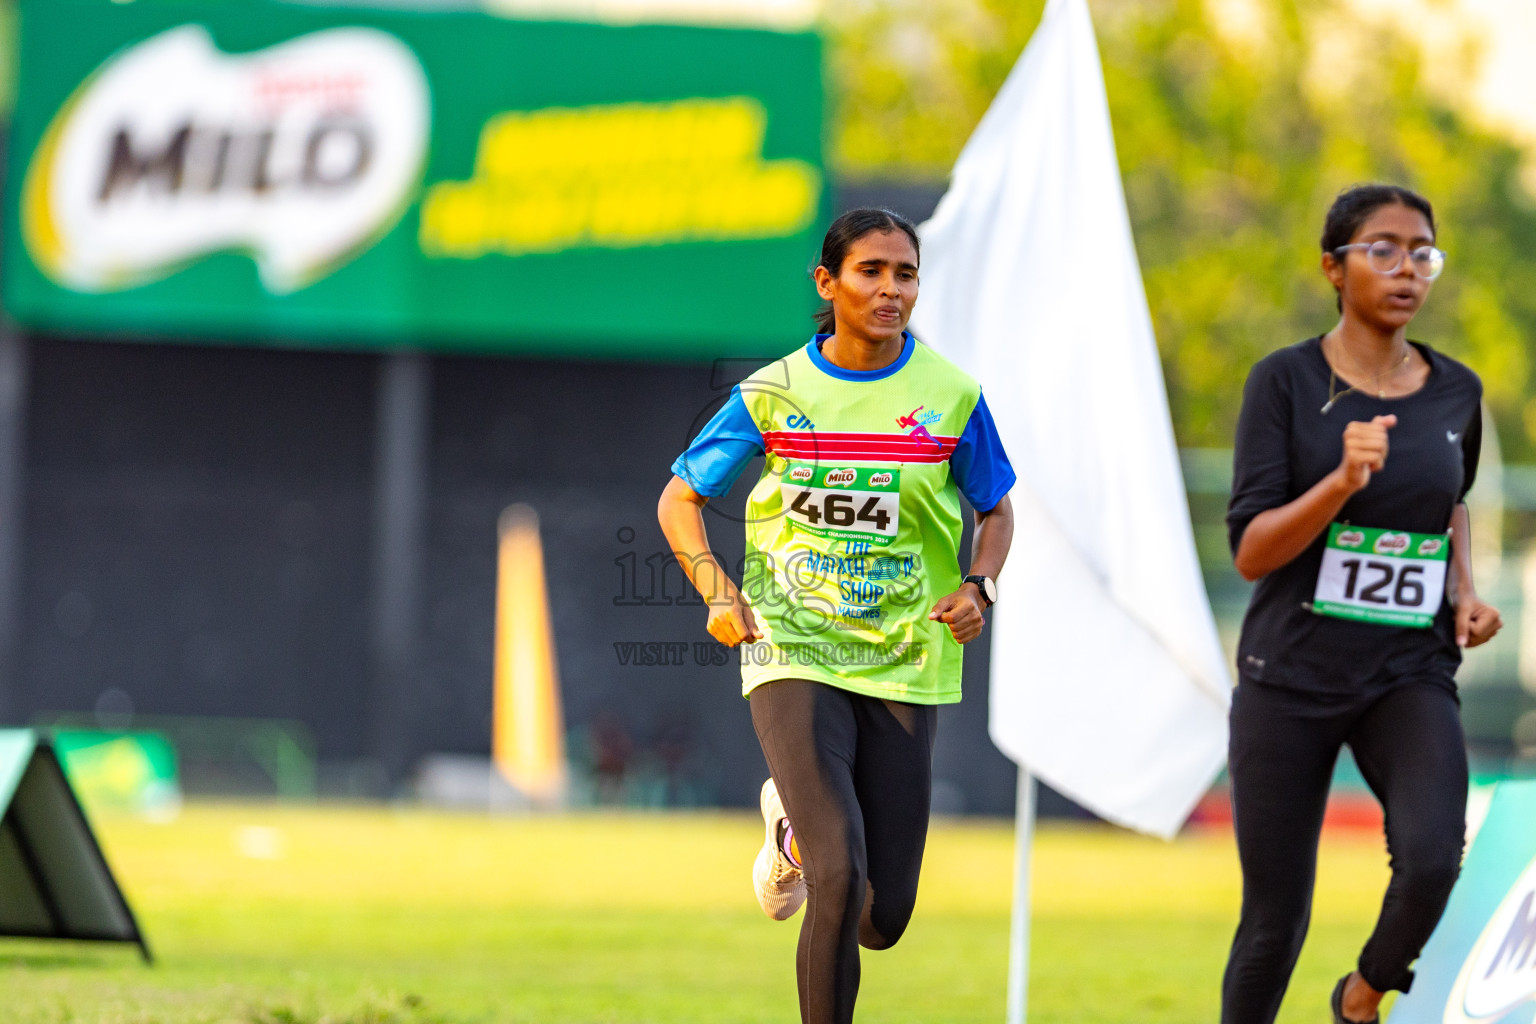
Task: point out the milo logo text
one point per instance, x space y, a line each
800 473
1392 544
880 480
842 477
300 155
1431 546
1350 539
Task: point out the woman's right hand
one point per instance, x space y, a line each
682 522
1365 451
731 621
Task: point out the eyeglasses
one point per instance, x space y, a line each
1386 257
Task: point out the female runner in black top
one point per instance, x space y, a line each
1354 453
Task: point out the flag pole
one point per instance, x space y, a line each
1018 932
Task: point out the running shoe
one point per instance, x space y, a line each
1336 1004
780 886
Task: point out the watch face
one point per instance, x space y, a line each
986 586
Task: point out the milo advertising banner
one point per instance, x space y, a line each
1479 967
260 171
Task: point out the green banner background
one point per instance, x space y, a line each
699 299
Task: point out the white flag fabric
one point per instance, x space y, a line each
1108 680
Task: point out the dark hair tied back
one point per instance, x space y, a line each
1355 204
846 230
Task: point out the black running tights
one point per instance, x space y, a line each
1409 746
854 773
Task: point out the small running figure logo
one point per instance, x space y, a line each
919 424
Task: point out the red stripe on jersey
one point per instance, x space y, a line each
845 455
825 438
855 447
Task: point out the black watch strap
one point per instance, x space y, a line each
986 586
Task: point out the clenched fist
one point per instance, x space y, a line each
731 621
1365 450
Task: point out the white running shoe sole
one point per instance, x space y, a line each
780 886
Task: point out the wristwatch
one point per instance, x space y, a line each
986 586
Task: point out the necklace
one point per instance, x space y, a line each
1333 378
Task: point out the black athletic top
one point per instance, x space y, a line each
1285 445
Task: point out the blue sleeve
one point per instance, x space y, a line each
979 464
722 450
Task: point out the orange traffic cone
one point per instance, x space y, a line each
528 729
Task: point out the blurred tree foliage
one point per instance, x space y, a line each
1237 122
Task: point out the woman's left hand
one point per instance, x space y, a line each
1476 622
962 611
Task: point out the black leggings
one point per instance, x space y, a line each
855 775
1409 746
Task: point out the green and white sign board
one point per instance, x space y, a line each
291 173
54 881
1479 967
121 772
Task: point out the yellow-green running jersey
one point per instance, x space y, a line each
854 527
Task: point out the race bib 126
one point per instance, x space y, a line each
851 503
1389 577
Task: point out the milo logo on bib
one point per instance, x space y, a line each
843 502
1389 577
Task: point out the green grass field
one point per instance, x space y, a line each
264 914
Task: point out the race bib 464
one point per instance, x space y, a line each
849 503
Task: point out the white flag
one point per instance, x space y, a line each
1108 680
